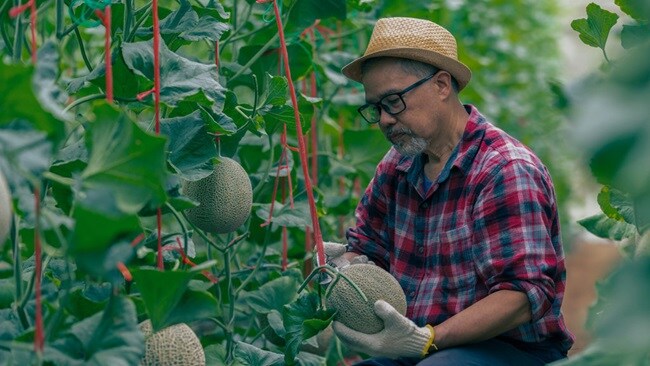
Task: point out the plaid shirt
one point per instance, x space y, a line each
488 223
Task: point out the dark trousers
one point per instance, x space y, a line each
492 352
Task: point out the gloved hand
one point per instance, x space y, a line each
399 338
334 253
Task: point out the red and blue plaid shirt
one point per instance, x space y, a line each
488 223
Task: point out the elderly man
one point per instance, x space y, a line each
460 213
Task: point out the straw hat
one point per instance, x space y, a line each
414 39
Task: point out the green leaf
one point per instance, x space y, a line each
305 12
594 30
364 149
180 77
161 293
275 92
616 205
111 337
126 167
300 59
637 9
186 24
52 98
303 319
190 148
273 295
193 305
94 231
605 227
21 102
250 355
634 35
284 215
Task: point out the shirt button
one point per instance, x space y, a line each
425 205
420 250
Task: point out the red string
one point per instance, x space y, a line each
302 151
187 261
105 17
216 54
124 271
39 336
156 88
17 10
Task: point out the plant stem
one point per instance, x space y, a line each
82 49
59 19
18 36
128 17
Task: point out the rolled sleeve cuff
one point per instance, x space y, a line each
539 301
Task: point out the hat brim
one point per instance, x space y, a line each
458 70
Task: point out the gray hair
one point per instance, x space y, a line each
417 68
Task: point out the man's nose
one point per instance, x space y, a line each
386 119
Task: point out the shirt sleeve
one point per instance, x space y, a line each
370 235
513 237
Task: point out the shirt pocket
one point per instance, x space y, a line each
452 259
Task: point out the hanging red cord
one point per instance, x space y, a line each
301 143
39 333
105 17
156 90
17 10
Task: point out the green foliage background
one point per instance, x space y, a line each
103 172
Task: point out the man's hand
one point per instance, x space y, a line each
399 338
336 257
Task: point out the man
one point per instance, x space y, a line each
461 214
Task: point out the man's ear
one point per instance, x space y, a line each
443 80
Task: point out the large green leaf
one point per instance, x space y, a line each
111 337
594 30
95 232
272 295
637 9
180 77
20 100
161 292
616 205
284 215
303 319
186 24
300 59
126 167
191 149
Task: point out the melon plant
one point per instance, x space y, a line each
225 198
376 284
176 345
5 210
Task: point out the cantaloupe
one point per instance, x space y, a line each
376 284
176 345
225 197
5 210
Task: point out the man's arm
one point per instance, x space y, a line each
497 313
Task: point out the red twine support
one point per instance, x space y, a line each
105 17
124 271
302 151
17 10
156 90
187 261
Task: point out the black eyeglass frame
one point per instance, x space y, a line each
379 106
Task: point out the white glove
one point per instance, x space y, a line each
399 338
334 256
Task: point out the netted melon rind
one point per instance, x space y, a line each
176 345
376 284
225 197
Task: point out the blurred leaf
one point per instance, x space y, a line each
305 12
604 227
634 35
95 232
637 9
191 149
111 337
300 59
284 215
186 24
594 30
20 102
616 205
126 167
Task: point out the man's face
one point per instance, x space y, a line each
412 128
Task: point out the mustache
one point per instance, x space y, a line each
402 130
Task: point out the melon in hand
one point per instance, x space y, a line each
376 284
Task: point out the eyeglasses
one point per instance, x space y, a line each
392 103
